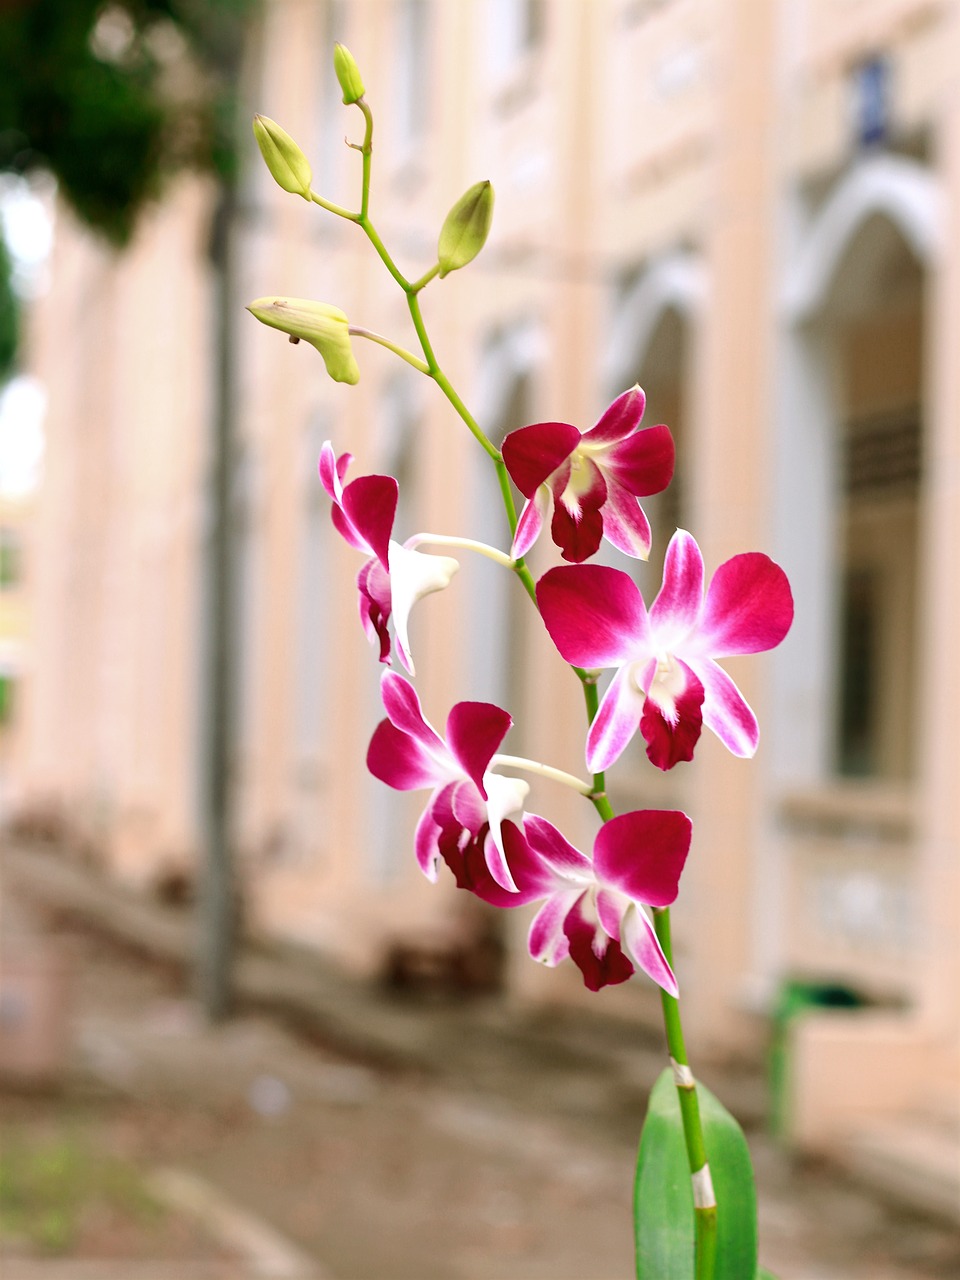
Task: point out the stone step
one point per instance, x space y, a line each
915 1159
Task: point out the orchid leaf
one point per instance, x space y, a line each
663 1194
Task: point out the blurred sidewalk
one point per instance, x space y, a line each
381 1138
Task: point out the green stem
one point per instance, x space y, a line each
425 278
367 152
334 208
402 352
705 1204
374 238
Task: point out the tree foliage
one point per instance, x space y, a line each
94 93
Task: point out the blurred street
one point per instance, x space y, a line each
457 1141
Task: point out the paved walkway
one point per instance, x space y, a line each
385 1140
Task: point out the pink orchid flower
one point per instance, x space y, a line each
592 909
668 683
468 803
588 484
396 576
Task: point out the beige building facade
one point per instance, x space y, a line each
751 208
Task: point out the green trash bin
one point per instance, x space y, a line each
796 997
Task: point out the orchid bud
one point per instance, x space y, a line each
465 228
348 74
323 326
288 165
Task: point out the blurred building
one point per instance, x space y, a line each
15 516
753 209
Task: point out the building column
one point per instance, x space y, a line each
938 951
729 462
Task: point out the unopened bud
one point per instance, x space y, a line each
348 73
465 228
286 162
323 326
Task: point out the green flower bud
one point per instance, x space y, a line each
465 228
286 162
348 74
323 326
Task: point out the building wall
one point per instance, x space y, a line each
688 193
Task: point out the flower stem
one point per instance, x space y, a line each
542 771
367 151
425 278
374 237
334 208
468 544
704 1200
402 352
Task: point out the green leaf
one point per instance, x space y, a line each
663 1195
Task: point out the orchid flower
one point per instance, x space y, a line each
396 576
592 910
668 683
588 484
468 803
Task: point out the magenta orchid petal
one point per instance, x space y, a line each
578 536
402 705
467 806
347 532
401 761
533 877
364 510
425 844
610 908
644 462
624 523
577 524
373 586
639 941
331 470
547 941
749 607
595 615
369 503
616 721
533 453
620 419
496 860
475 731
598 956
535 511
678 606
725 710
556 850
642 854
470 869
672 714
